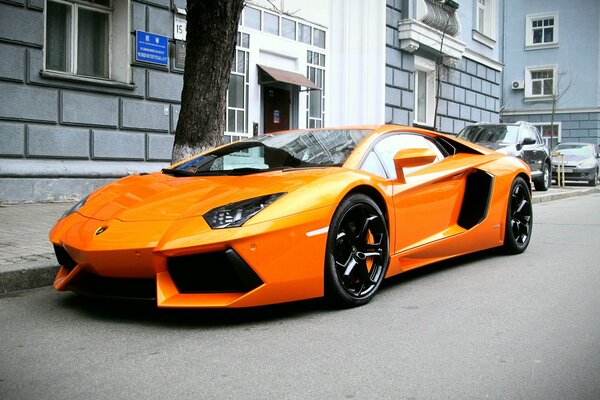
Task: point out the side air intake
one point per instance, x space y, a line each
476 201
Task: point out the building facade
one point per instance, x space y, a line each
91 88
552 79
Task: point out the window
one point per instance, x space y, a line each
540 82
288 28
316 98
87 38
252 18
280 25
542 31
387 148
550 134
304 33
271 23
485 19
77 38
424 91
319 38
237 94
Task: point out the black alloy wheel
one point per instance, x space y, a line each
357 254
519 218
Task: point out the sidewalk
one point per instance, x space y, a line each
27 258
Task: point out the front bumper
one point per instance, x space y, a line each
576 174
184 263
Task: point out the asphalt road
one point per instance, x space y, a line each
478 327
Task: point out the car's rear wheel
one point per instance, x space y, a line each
543 183
357 252
519 218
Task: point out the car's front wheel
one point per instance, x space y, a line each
543 183
357 254
594 180
519 218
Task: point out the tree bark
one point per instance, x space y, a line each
210 47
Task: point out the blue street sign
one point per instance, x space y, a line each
151 48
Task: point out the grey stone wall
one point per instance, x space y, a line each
470 91
44 118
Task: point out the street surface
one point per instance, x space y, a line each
485 326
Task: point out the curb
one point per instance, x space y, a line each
37 271
40 270
545 197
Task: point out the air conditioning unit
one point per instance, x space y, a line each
518 85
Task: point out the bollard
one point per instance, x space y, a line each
560 168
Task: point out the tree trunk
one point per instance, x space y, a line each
211 39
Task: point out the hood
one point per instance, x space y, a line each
159 197
573 158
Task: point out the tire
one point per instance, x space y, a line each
594 180
543 184
357 255
519 218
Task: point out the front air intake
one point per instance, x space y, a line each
64 258
220 272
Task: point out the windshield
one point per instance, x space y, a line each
575 150
491 134
296 149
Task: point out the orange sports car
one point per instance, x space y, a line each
293 215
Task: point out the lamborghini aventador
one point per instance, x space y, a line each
294 215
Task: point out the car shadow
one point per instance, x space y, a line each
146 313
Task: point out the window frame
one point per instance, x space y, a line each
241 70
529 95
118 44
540 127
428 67
529 19
485 31
73 35
391 173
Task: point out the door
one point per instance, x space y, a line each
276 106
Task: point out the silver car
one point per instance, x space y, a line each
581 162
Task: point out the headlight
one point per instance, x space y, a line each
74 208
236 214
589 163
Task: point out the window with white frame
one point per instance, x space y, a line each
550 133
540 82
542 30
237 93
485 18
87 38
315 106
424 91
289 28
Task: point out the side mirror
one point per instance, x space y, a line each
528 140
407 158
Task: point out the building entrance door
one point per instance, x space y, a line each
276 106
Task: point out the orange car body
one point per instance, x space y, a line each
131 228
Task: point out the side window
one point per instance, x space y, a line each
536 134
524 133
373 165
387 148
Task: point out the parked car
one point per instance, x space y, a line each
580 162
293 215
521 140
